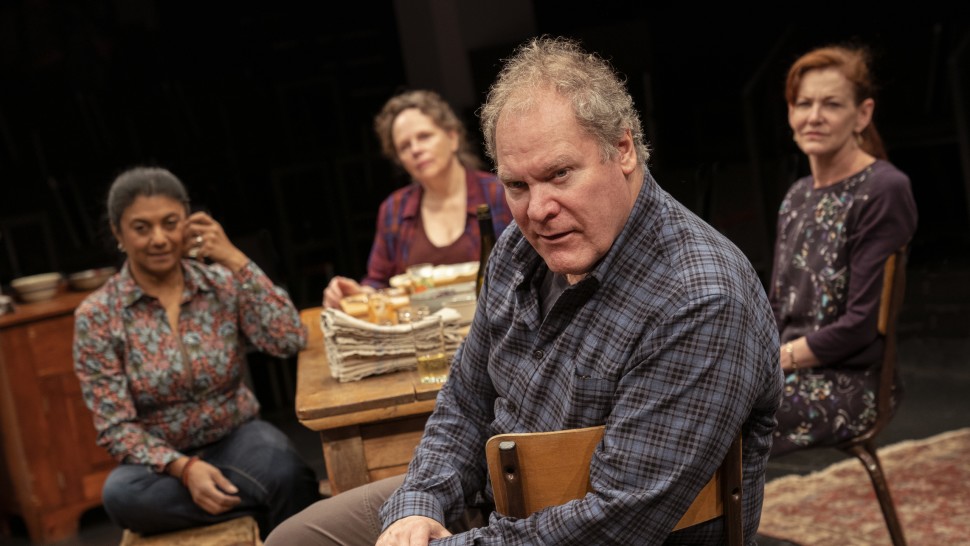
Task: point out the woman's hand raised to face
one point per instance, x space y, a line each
204 238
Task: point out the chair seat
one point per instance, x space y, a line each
235 532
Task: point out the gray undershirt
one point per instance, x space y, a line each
553 285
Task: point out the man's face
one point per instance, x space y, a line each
568 202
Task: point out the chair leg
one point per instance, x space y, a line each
866 453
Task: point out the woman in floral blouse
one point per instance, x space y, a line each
160 351
836 228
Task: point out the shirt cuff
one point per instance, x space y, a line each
410 503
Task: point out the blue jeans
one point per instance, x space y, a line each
273 480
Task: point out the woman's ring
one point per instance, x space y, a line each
199 240
193 253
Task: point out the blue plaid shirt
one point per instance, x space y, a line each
669 342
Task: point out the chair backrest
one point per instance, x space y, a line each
891 301
532 471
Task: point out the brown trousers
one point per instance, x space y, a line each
348 519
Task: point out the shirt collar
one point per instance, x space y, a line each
645 213
474 191
195 282
412 200
129 289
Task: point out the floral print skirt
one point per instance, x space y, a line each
826 405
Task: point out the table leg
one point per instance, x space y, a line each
343 452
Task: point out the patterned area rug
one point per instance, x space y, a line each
929 480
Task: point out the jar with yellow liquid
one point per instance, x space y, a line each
429 349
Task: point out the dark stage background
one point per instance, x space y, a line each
265 113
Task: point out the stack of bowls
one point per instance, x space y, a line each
436 298
90 279
35 288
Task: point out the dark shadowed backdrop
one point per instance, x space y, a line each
265 112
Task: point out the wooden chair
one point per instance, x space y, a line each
531 471
863 446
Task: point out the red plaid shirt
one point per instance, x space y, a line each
398 221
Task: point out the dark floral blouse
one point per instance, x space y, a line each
831 246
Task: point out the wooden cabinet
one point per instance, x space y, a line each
52 468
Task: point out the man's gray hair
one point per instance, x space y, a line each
602 104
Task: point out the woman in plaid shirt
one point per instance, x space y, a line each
433 219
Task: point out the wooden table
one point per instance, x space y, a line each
368 428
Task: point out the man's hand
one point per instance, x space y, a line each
412 531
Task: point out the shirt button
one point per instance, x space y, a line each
538 354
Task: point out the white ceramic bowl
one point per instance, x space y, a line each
36 287
90 279
445 275
441 275
465 304
436 297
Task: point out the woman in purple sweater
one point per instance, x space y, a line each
836 228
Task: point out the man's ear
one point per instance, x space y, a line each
628 153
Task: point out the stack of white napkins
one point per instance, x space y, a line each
357 348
